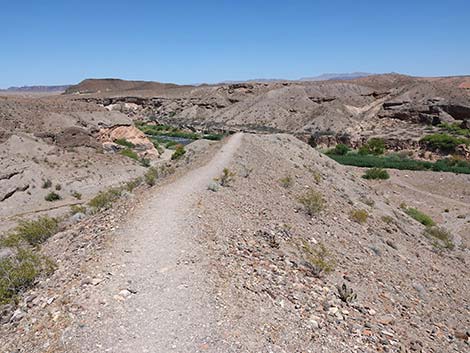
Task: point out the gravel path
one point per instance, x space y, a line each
158 297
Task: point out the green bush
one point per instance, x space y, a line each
18 273
179 152
312 201
124 142
340 150
104 199
52 196
444 142
376 173
419 216
455 129
33 232
375 146
359 216
129 153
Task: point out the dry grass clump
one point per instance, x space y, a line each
359 216
287 181
318 258
312 201
441 237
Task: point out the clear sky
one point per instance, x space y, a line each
65 41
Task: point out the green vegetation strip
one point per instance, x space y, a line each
396 162
170 131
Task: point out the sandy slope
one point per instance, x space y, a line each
165 304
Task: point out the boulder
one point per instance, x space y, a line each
75 137
463 150
142 144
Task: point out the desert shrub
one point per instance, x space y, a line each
74 209
227 177
145 162
369 202
104 199
287 181
444 142
359 216
318 259
46 184
124 142
151 176
455 129
58 187
346 294
52 196
33 232
129 153
375 146
157 144
419 216
77 195
312 201
387 219
440 237
213 186
376 173
131 185
179 152
312 141
339 150
19 272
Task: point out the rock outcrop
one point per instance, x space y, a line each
141 144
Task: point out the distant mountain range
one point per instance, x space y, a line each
37 89
63 88
344 76
323 77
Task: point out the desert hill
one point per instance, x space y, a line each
112 85
260 268
396 107
112 231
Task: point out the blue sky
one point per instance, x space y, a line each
55 42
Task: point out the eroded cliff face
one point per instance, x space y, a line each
395 107
140 143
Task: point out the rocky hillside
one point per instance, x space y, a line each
310 257
397 107
298 254
57 148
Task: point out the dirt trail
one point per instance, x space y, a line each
157 259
